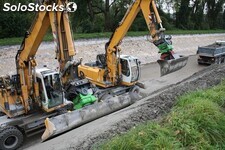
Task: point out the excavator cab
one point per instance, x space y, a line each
130 67
51 93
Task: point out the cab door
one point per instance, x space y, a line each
51 95
126 71
130 68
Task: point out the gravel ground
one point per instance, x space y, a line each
88 49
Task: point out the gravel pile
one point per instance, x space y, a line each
88 49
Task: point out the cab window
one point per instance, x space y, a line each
41 90
125 67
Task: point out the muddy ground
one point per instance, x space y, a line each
88 49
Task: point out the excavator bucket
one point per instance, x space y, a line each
169 66
73 119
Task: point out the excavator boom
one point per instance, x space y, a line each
110 69
169 61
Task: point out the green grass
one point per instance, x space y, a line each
196 122
48 37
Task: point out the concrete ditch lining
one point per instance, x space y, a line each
156 105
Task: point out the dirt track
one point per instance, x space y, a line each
150 108
76 137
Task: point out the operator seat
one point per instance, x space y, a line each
100 61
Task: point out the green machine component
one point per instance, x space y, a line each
82 100
164 44
164 48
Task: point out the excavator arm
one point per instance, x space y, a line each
25 58
114 69
169 62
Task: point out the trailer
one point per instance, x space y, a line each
212 54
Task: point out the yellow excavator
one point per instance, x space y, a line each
35 98
114 74
111 69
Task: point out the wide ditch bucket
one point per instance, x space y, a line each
73 119
169 66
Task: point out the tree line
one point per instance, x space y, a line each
104 16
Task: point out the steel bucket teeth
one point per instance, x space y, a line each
169 66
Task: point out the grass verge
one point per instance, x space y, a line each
48 37
197 121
